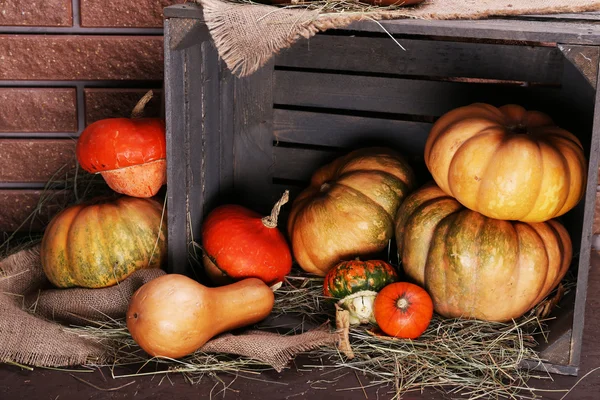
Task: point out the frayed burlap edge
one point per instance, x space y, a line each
243 59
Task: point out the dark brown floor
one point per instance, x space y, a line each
293 383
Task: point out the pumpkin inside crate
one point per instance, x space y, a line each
249 139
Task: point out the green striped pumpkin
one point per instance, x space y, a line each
100 243
356 284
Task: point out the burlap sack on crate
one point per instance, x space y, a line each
33 318
247 35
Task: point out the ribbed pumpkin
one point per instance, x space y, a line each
474 266
129 153
348 210
240 243
507 163
100 243
355 284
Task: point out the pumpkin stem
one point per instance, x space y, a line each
271 220
518 129
138 110
402 303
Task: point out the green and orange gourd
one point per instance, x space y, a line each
101 242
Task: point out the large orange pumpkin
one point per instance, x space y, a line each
100 243
507 163
474 266
348 210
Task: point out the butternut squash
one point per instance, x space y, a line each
173 315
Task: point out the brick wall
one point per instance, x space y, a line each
63 65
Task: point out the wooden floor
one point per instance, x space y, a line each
293 383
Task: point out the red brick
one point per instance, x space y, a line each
26 160
18 209
124 13
40 13
113 103
76 57
38 110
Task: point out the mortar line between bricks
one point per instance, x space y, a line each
75 13
38 135
22 185
108 84
80 107
70 30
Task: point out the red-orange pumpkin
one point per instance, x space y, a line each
101 242
403 310
348 210
507 163
129 153
474 266
239 243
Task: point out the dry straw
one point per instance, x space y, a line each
467 358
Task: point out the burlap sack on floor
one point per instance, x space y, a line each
33 318
248 35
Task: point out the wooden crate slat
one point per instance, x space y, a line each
392 95
299 164
425 58
575 32
346 131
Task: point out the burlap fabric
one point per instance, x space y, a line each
248 35
33 318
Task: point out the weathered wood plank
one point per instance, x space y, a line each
585 58
582 95
500 29
28 160
596 229
391 95
347 131
586 16
299 164
178 154
253 141
425 58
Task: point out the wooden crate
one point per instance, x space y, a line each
246 140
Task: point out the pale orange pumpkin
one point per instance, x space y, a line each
507 163
474 266
348 210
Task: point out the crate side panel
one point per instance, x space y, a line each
253 140
177 155
426 58
583 104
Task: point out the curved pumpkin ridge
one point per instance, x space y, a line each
143 221
446 146
475 111
308 263
364 183
437 284
510 169
421 225
578 174
385 161
56 266
464 239
473 155
533 259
